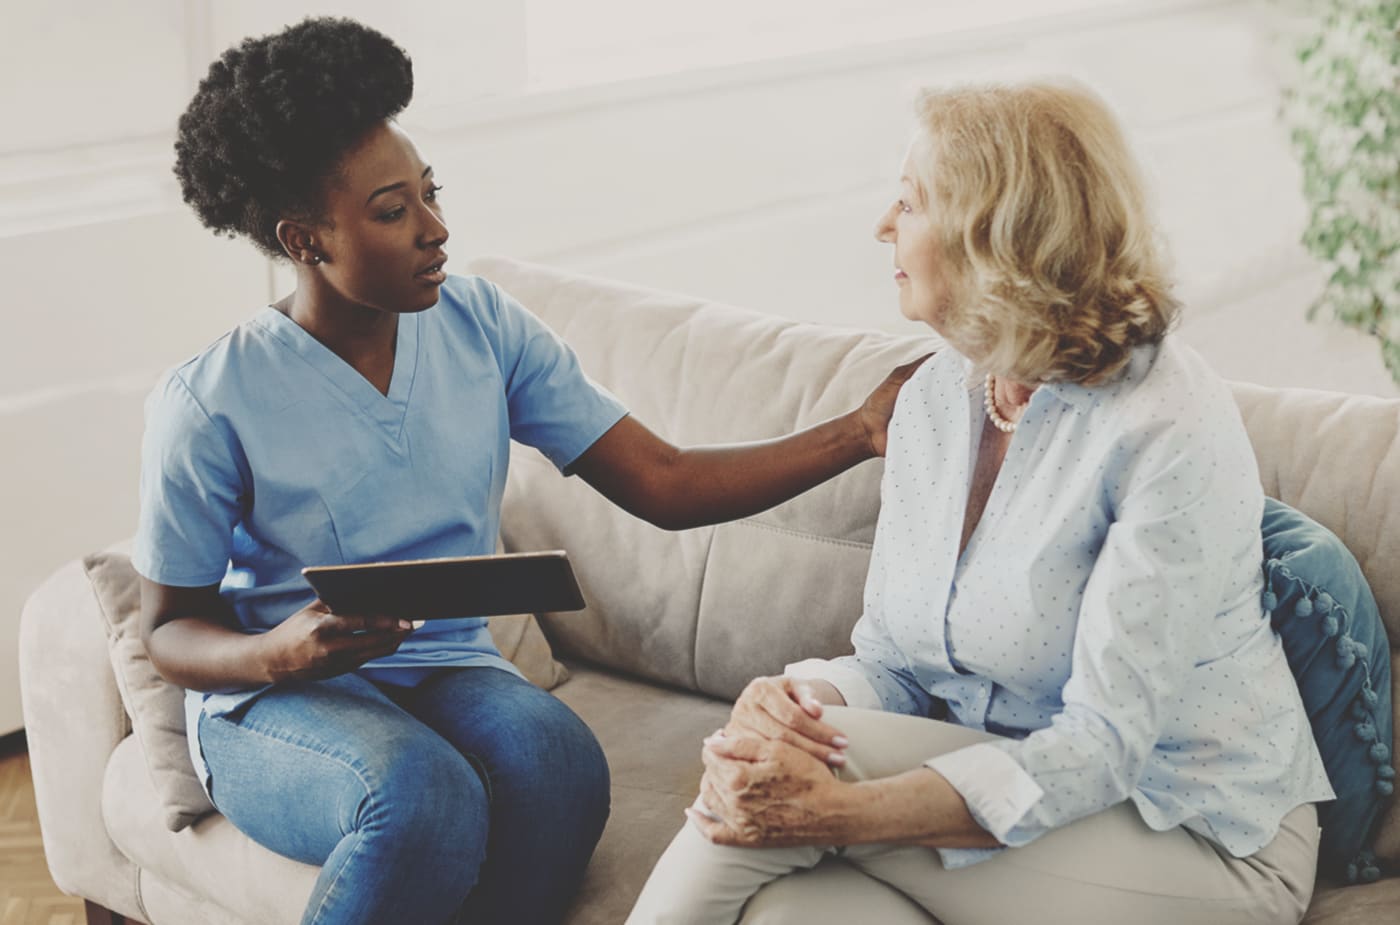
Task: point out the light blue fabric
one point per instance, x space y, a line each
1106 613
1337 648
266 453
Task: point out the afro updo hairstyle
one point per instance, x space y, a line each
274 116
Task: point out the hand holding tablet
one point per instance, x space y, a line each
466 586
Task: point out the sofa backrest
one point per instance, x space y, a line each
708 609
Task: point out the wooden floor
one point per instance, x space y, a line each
27 895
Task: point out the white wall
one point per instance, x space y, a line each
756 184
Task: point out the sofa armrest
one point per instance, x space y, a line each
73 719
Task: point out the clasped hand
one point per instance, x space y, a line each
768 778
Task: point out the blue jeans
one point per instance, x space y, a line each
474 797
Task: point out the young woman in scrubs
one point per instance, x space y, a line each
367 416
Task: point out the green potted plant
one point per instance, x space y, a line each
1344 112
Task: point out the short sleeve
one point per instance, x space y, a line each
192 491
553 406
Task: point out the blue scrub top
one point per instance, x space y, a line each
267 452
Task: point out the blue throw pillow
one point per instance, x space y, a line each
1336 646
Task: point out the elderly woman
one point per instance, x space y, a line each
1063 596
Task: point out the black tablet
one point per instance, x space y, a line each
435 589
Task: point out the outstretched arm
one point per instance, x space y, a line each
678 488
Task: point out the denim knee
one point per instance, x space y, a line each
595 778
428 799
563 754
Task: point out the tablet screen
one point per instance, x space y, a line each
434 589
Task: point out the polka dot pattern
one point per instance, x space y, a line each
1105 614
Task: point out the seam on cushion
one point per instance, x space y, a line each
123 717
140 893
88 562
787 531
699 606
179 890
705 576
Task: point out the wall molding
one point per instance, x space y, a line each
535 104
48 190
136 384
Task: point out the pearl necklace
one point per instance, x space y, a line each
993 415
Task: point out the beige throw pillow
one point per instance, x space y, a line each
523 644
156 706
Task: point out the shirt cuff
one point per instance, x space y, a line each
851 684
955 858
998 791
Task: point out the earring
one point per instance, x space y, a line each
313 259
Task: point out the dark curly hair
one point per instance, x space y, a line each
273 118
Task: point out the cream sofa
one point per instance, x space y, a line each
677 622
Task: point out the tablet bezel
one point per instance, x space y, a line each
451 587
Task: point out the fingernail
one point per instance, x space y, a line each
836 758
405 624
839 741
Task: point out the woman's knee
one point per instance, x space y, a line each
831 891
582 753
425 796
554 751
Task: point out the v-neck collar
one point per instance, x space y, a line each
1012 467
389 411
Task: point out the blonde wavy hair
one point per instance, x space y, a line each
1042 219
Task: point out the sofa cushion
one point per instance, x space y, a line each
209 859
1336 646
650 788
787 583
156 706
1336 457
652 739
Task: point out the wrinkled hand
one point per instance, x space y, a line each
786 710
875 412
766 794
314 643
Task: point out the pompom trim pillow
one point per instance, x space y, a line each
1336 646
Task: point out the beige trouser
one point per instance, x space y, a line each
1105 868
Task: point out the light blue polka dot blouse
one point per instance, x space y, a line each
1105 614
